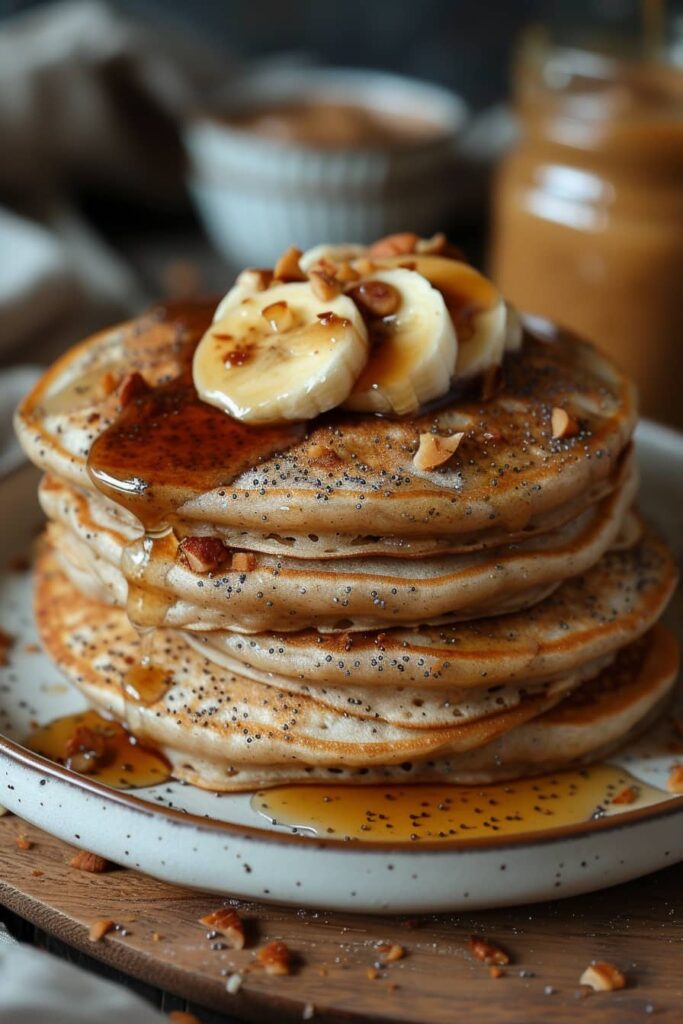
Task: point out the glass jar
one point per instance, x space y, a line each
588 209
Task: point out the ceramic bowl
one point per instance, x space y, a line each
257 195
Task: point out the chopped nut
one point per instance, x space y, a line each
324 286
37 873
84 860
233 984
201 554
390 953
628 795
133 386
183 1017
395 245
85 750
496 972
364 266
563 425
108 383
675 781
345 273
287 267
255 279
279 316
275 958
23 842
486 951
603 977
376 298
372 973
157 936
228 923
98 929
330 319
323 456
434 450
243 561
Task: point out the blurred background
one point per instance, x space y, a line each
151 148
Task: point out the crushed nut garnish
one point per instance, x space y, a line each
275 958
390 952
562 424
287 267
628 795
84 860
675 781
23 842
108 383
486 951
183 1017
496 972
321 455
98 929
434 450
346 274
603 977
201 554
228 923
395 245
279 316
372 973
325 287
376 298
255 278
133 386
243 561
157 936
37 873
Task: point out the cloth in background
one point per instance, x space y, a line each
87 98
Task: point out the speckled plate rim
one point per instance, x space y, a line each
665 440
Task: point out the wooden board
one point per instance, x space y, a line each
636 926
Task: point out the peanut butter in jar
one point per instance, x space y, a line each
588 210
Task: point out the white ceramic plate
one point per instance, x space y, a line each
193 838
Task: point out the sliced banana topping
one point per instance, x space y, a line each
414 346
475 305
280 354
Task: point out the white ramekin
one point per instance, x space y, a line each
258 195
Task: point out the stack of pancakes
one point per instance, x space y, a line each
331 612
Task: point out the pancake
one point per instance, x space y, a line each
349 471
293 594
585 619
586 727
208 712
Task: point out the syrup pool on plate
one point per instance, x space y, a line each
99 748
440 813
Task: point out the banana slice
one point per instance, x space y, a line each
474 303
414 347
340 253
281 354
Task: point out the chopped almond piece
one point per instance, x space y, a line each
133 386
486 951
201 554
23 842
434 450
628 795
243 561
84 860
346 274
279 316
563 425
182 1017
275 958
324 286
37 873
364 266
394 245
496 972
372 973
603 977
675 781
287 267
376 298
390 953
98 929
228 923
255 278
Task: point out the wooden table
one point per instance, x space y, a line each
636 926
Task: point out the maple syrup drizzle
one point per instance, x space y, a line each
120 761
166 446
441 813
